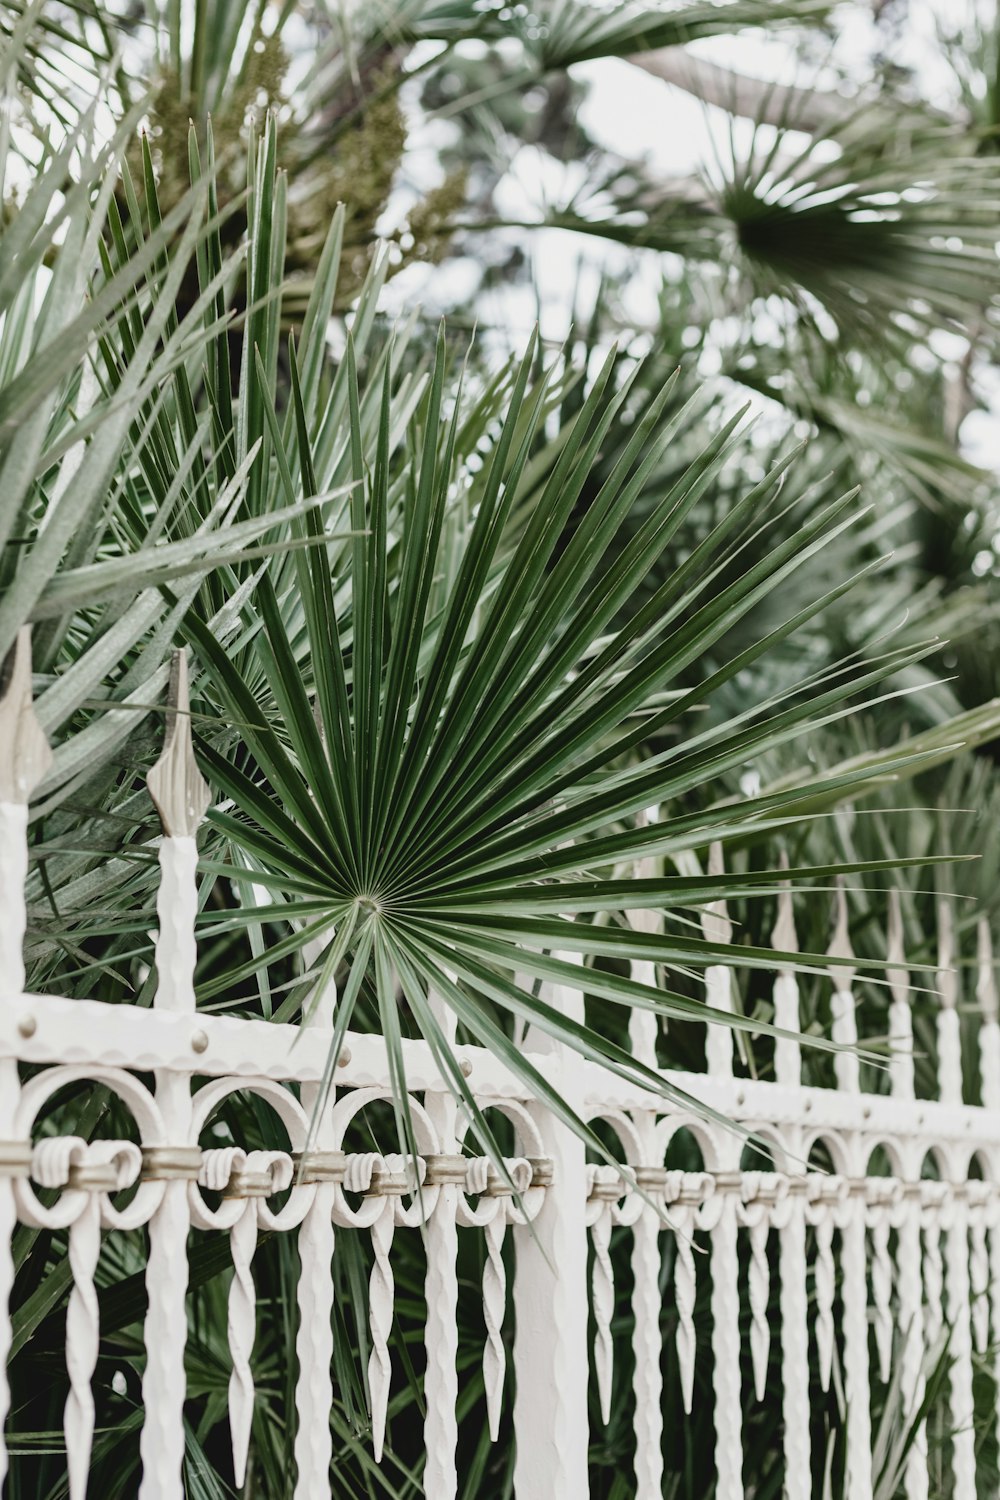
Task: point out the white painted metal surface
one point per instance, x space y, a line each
889 1260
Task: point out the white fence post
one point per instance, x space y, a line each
24 759
793 1301
717 928
550 1297
441 1288
960 1398
843 1006
909 1284
314 1335
724 1230
787 1052
949 1035
900 1020
989 1009
853 1249
646 1254
181 797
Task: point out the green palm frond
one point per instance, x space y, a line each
868 237
449 767
874 230
559 33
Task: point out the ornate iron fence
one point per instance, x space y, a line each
871 1268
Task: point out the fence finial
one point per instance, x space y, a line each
715 923
989 1031
784 938
947 979
175 784
949 1038
24 751
898 975
986 984
843 1008
900 1021
840 944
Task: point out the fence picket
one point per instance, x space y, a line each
441 1290
960 1399
647 1381
989 1009
793 1305
181 797
857 1386
900 1020
550 1298
717 928
726 1343
787 1051
911 1322
323 1168
24 758
843 1006
949 1036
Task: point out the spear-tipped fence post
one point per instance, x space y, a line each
787 1052
24 758
900 1019
843 1006
717 928
181 797
989 1010
949 1035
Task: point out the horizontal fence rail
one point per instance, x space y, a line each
863 1231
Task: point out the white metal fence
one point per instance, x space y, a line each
871 1268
